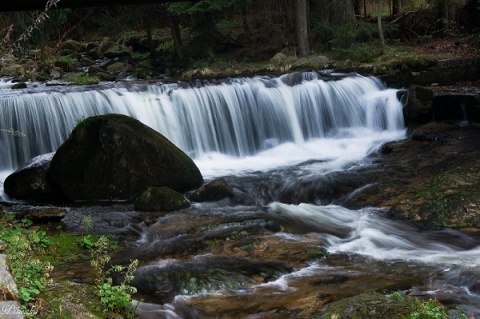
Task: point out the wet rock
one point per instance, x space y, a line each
203 274
103 46
104 76
214 190
120 69
432 178
70 46
312 62
19 85
278 58
12 70
368 306
419 103
94 69
67 66
117 157
56 72
46 215
463 105
32 181
117 51
160 199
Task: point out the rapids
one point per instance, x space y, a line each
284 144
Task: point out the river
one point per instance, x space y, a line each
281 143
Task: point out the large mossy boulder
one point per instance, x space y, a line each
115 157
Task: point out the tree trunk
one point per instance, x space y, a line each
245 19
176 36
301 25
396 7
379 22
148 28
357 7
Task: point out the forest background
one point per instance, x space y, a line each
186 34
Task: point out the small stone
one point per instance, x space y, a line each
160 199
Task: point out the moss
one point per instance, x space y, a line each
160 199
65 249
367 306
82 79
67 299
316 252
450 199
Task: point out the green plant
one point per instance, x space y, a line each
397 295
65 58
88 242
316 252
31 28
430 309
114 298
82 79
30 273
26 222
87 221
165 46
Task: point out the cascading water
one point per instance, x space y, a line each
239 118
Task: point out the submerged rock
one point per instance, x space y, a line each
160 199
203 274
115 157
368 306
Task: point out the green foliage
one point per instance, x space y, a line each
362 53
320 31
30 273
430 309
31 29
316 252
397 295
65 58
202 6
87 221
88 242
26 222
114 298
165 46
82 79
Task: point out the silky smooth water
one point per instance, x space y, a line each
263 134
238 118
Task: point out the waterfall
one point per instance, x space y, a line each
239 117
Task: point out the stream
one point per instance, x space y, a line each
284 245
